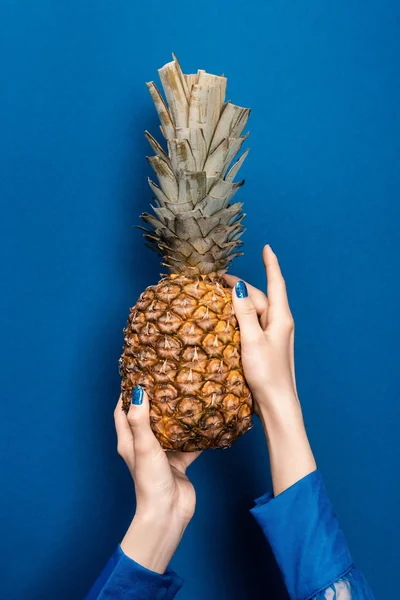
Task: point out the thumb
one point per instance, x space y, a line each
245 312
138 418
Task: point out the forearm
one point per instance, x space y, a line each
151 540
290 453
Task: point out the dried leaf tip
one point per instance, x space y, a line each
196 225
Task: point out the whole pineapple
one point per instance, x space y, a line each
182 338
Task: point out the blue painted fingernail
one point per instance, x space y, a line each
137 395
241 290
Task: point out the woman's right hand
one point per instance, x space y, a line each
165 498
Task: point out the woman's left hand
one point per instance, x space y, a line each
165 498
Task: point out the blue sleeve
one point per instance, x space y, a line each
124 579
308 544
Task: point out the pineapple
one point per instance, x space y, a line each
182 340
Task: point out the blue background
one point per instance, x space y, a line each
322 187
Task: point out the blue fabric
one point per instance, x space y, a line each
304 535
308 544
124 579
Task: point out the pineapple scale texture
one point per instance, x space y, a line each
182 345
182 339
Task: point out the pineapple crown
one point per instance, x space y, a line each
196 228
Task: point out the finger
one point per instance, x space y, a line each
138 418
182 460
246 313
260 299
278 304
124 433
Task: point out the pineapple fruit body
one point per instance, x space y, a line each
182 338
182 345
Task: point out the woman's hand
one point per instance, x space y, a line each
267 351
267 336
165 498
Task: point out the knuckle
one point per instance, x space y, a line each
287 323
117 412
133 418
121 450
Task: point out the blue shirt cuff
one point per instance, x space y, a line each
305 536
124 579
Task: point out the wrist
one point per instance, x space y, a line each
163 519
153 537
162 513
290 453
283 423
278 409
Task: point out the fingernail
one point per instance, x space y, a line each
137 395
241 290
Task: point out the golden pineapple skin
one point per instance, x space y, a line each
182 345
